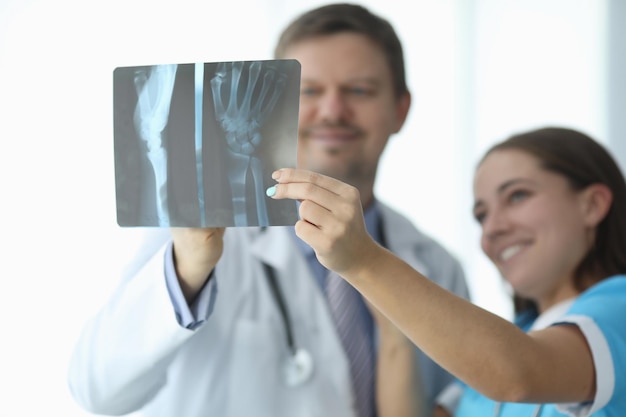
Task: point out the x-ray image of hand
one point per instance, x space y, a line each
195 143
154 91
244 95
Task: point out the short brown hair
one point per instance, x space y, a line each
343 17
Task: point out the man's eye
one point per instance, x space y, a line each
518 196
308 91
358 91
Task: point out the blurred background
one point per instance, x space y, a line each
479 70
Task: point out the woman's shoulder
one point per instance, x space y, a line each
605 302
614 286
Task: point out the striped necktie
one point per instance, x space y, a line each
347 308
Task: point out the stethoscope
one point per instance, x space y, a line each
297 367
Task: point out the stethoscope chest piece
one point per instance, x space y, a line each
298 368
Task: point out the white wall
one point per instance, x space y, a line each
479 70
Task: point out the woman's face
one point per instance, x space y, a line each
533 225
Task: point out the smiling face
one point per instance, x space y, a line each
534 225
348 108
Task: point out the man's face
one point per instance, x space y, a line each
347 106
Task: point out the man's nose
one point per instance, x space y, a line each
333 106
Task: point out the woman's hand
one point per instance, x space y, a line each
331 217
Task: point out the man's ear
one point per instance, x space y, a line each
597 200
402 110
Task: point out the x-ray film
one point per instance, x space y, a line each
195 144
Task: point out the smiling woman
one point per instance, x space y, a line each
553 193
550 203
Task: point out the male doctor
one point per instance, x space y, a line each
214 322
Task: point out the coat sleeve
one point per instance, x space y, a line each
121 357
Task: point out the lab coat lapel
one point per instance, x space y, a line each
402 238
273 246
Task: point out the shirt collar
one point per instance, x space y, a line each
552 315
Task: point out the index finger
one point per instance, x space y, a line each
304 185
326 192
293 175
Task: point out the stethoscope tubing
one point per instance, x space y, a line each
279 298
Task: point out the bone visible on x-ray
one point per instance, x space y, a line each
199 90
241 122
154 90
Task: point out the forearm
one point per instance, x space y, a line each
480 348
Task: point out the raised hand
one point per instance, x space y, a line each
196 252
331 217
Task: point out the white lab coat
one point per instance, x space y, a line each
135 356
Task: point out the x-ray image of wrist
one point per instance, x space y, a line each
244 95
154 91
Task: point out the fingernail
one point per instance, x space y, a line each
276 175
270 191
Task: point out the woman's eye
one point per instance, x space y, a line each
480 217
